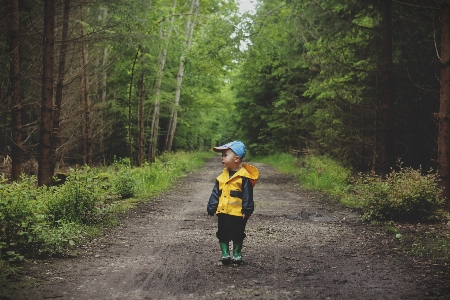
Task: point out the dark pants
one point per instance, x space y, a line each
231 228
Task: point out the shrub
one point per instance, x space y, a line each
54 239
18 211
77 200
124 182
404 195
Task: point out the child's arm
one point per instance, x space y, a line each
247 198
213 202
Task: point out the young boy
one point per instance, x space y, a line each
232 199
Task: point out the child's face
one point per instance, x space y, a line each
230 159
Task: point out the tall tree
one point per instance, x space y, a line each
141 139
444 109
45 150
85 89
104 76
154 129
14 78
388 134
130 95
189 30
56 138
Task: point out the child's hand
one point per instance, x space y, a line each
245 217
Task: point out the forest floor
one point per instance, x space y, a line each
298 246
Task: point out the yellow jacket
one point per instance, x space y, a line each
234 196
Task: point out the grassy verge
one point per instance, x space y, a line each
42 221
319 173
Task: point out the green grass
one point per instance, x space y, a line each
158 177
433 247
42 221
283 162
319 173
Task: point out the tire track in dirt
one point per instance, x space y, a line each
297 247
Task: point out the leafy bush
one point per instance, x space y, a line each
124 182
77 200
54 239
18 211
404 195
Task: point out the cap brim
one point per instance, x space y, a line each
220 149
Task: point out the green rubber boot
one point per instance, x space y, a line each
237 255
225 248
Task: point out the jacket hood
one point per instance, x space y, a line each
252 171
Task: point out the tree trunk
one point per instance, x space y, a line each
45 171
87 134
83 116
129 104
103 99
387 135
141 155
102 88
56 139
154 129
14 78
187 44
444 108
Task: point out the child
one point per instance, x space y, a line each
232 199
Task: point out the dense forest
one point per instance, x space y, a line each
87 82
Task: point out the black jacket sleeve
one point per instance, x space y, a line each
213 200
247 197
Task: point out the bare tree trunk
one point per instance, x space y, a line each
102 85
141 155
83 116
45 171
387 136
154 129
14 78
87 134
129 105
56 139
103 99
444 109
187 44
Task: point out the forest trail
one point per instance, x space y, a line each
297 247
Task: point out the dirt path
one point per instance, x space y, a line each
296 248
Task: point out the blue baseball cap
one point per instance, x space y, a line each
237 147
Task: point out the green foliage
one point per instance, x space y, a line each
311 78
432 246
124 184
314 172
19 210
55 238
283 162
77 200
52 219
404 195
155 178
